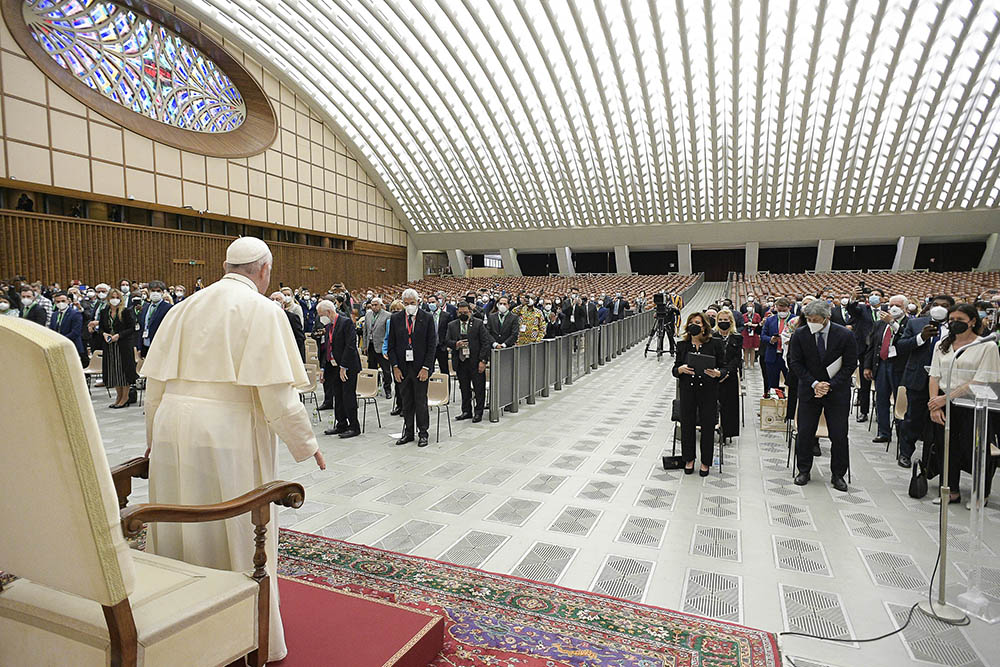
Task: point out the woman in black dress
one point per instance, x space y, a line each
729 383
698 391
117 328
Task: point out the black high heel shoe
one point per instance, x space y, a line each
689 471
704 473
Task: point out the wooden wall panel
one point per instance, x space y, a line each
53 248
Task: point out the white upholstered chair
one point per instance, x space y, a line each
82 597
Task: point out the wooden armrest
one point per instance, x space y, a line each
122 476
288 494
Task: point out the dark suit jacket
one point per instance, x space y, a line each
873 359
342 338
72 326
622 307
154 322
862 324
424 340
804 361
553 329
297 333
837 315
479 339
592 317
713 347
35 314
505 334
917 356
444 319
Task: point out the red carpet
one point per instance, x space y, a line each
342 629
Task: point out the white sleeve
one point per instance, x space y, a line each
287 418
154 394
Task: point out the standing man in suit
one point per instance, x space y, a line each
441 316
503 325
372 335
618 307
412 344
814 352
68 321
593 319
884 365
30 308
839 313
151 315
774 352
470 342
917 341
342 363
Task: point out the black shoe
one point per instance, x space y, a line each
862 418
689 471
407 437
802 479
336 430
464 415
704 473
816 450
422 442
351 432
478 417
904 461
388 393
881 439
325 406
395 412
838 483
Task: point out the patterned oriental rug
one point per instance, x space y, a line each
493 620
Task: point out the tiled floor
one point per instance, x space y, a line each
571 491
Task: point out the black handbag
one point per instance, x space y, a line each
673 462
918 482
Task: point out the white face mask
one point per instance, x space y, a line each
502 308
62 305
156 297
180 293
324 319
749 299
548 307
115 302
91 295
4 306
843 302
816 327
938 313
782 314
411 309
896 312
125 288
287 298
26 302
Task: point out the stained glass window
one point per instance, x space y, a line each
136 62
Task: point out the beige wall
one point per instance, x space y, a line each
307 179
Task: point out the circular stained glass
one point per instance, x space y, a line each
137 63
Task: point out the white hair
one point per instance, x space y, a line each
326 305
252 268
410 293
906 301
378 300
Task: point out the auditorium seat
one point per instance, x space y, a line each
963 285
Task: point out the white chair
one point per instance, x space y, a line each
312 372
367 391
95 369
82 597
899 414
438 397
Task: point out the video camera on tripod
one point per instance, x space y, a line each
666 317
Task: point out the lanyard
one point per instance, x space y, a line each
149 314
60 319
409 329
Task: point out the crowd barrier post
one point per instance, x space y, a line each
546 353
602 344
532 369
495 382
557 348
515 380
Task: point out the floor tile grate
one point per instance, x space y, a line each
544 562
457 502
814 612
716 542
599 489
473 548
714 595
623 577
575 521
932 641
642 531
800 555
655 498
514 511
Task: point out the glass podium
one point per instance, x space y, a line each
975 397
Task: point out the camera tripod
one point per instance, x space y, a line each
660 329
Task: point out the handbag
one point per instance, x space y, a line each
918 482
675 410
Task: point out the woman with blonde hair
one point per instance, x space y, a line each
729 383
117 327
698 390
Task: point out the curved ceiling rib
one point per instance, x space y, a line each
512 115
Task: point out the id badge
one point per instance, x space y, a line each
136 327
409 355
145 334
464 354
892 351
524 327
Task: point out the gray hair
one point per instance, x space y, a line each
377 300
326 306
817 307
253 268
410 293
906 301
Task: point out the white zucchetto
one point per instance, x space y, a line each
245 250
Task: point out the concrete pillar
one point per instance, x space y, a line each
456 259
509 258
684 259
622 262
414 261
564 258
991 256
824 255
906 253
750 262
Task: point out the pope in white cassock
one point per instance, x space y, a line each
223 376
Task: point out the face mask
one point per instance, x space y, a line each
115 302
180 293
770 304
26 302
982 314
464 317
370 295
411 309
782 314
938 313
815 327
432 307
896 312
323 318
4 306
502 308
957 327
156 297
843 302
453 303
874 299
548 307
912 308
91 295
694 330
124 288
725 325
62 305
531 302
750 299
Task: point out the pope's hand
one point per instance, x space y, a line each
343 374
320 461
422 375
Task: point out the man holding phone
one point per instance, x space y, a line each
470 344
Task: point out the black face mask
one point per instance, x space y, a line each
711 321
470 299
724 325
694 330
464 317
957 327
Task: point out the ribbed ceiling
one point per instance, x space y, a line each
510 114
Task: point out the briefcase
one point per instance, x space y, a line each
772 414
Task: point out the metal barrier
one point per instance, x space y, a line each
525 372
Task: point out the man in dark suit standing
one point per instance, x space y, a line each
503 325
884 364
592 317
839 313
152 314
618 307
30 308
412 344
342 363
917 341
68 321
864 315
470 342
814 354
441 316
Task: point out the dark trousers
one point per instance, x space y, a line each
376 360
442 359
886 383
670 339
329 370
413 401
864 394
699 407
773 371
916 421
729 406
345 398
472 383
960 447
837 410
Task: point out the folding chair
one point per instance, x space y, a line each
312 371
95 369
140 381
367 391
898 414
437 397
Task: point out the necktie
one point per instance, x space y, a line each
59 320
616 307
883 352
820 345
